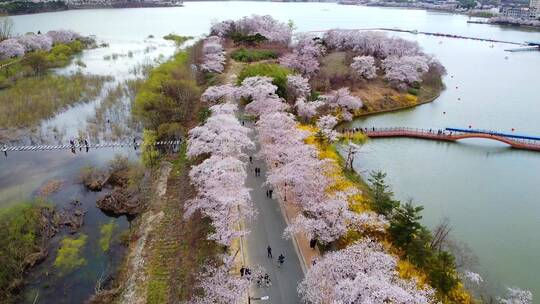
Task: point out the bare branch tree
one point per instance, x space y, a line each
440 234
6 27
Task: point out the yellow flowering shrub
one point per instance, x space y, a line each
411 99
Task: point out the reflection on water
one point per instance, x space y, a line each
486 189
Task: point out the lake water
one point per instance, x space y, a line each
487 190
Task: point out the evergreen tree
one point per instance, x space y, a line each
383 198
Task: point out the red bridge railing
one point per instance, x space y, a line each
445 135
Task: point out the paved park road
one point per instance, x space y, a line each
267 229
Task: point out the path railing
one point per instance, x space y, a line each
452 134
87 146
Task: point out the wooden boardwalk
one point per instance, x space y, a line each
516 142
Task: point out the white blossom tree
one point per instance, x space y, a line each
326 124
305 56
32 42
307 110
297 87
364 66
360 273
221 135
256 87
517 296
270 28
405 70
220 286
342 99
370 43
217 94
63 36
222 196
10 48
213 59
473 277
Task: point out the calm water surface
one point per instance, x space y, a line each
486 189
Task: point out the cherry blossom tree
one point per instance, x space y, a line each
63 36
10 48
221 135
329 219
263 96
307 110
297 87
305 56
213 55
342 99
225 108
33 42
517 296
222 196
370 43
221 29
256 87
405 70
364 66
360 273
220 286
272 29
473 277
326 124
266 105
217 94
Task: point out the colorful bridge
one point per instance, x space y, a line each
453 134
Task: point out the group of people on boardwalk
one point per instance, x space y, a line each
367 131
82 142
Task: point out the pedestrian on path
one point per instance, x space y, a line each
281 260
270 193
251 159
242 271
269 251
267 193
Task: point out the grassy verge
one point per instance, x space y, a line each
30 100
252 55
179 248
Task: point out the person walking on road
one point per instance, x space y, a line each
281 260
270 193
250 159
269 251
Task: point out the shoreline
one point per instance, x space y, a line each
397 108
